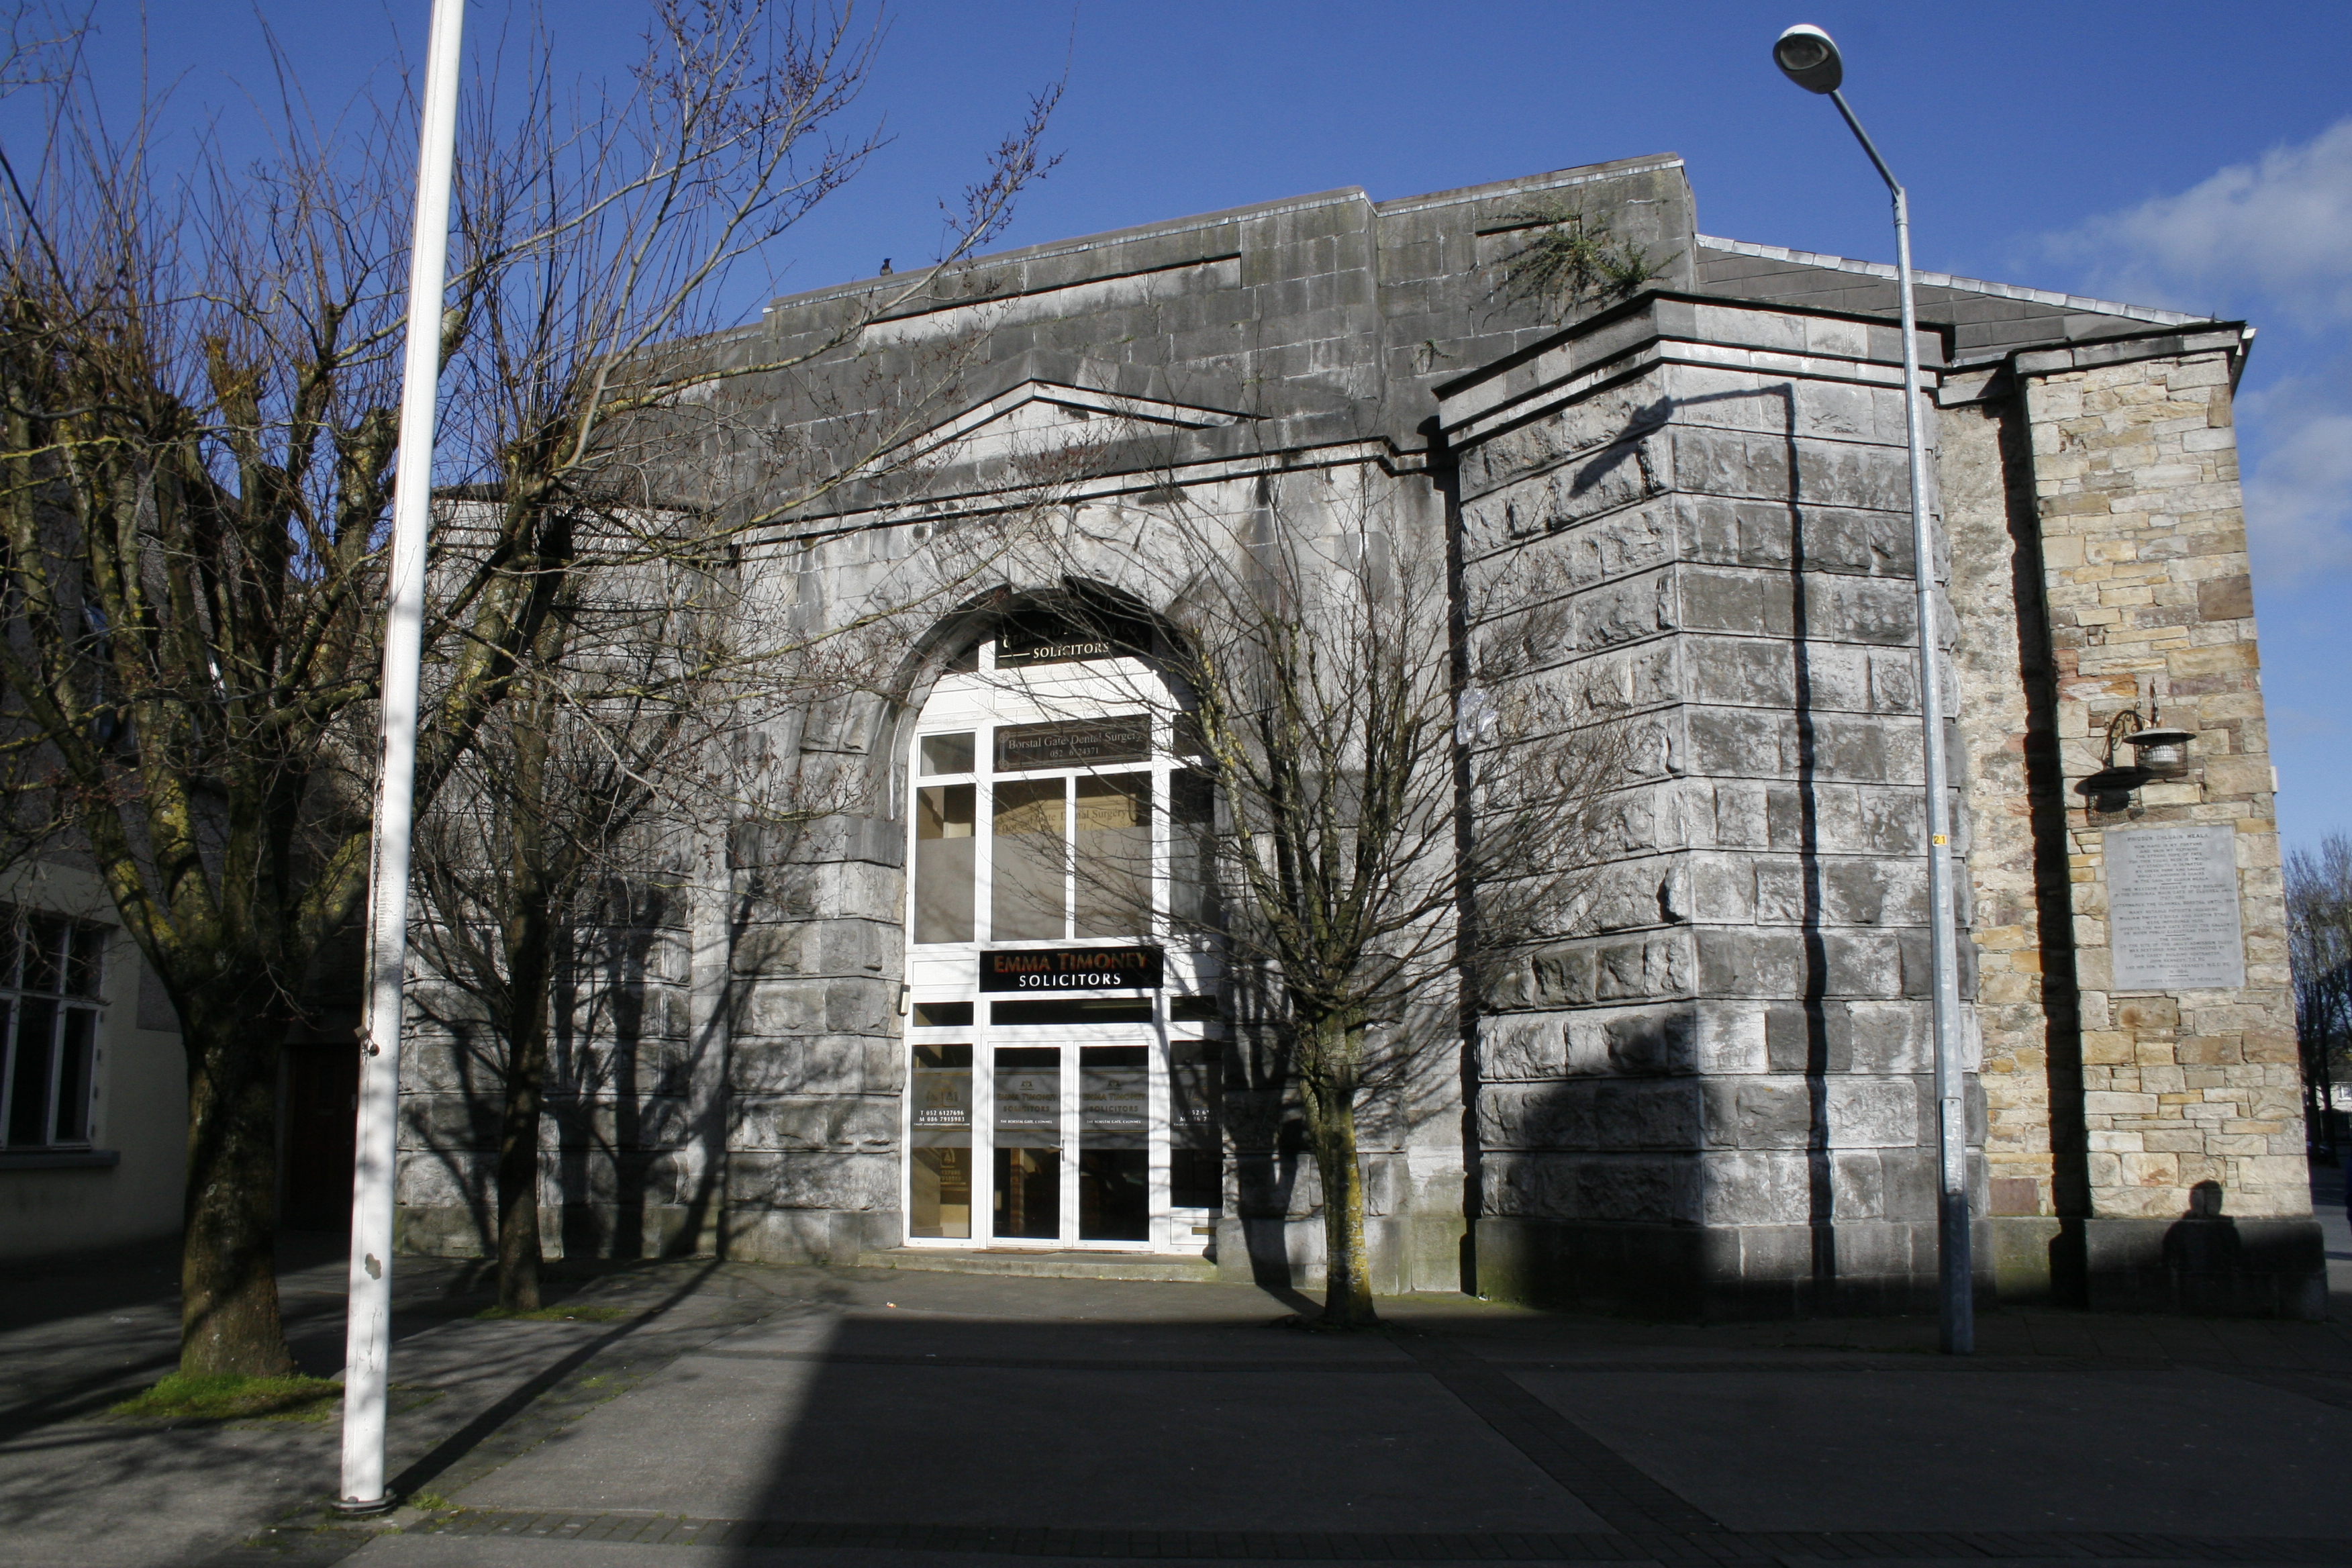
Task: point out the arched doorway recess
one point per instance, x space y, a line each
1063 1037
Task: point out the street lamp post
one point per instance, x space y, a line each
1807 57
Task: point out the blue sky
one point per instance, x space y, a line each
2192 155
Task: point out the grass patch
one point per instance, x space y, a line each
431 1502
227 1396
554 1315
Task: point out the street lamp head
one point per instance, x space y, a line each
1807 57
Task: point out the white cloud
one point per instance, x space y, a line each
2299 485
2280 230
2271 240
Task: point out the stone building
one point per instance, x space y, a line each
1712 1099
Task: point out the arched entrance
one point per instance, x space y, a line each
1063 1043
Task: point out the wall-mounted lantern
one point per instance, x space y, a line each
2162 754
2158 752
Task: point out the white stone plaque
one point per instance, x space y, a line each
2172 908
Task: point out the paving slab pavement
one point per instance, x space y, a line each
748 1415
79 1487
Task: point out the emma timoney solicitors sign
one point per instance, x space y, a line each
1073 969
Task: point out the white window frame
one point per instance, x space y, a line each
66 1005
980 703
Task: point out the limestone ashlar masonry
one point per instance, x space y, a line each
2136 481
1723 1065
617 1171
1699 1085
814 1067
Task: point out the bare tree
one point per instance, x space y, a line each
640 730
558 789
197 417
2319 946
1384 822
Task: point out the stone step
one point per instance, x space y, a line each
1020 1262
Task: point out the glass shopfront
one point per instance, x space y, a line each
1063 1044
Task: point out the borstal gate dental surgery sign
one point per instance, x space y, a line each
1072 969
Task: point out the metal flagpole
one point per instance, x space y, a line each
1954 1273
368 1334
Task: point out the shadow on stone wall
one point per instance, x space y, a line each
1805 1180
620 1074
614 1121
2206 1263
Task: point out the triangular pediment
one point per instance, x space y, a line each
1035 415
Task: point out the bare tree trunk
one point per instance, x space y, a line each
528 939
228 1263
526 1078
1329 1102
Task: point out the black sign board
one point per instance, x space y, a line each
1040 970
1075 742
1075 651
1089 632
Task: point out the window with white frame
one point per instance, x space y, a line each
52 974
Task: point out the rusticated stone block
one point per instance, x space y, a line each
1523 1046
638 1176
1872 1113
815 1064
862 1125
1737 741
445 1178
1722 889
1880 1037
1624 612
813 1180
1592 1114
1619 475
1742 672
1857 1185
1652 966
1759 1112
1754 1187
1629 1188
1847 609
840 947
606 1122
772 1009
1918 967
451 1120
1632 1044
1749 964
1874 891
1560 976
1752 602
1728 1037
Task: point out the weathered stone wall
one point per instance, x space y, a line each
1719 1096
617 1177
815 1063
1705 1085
2194 1186
2005 755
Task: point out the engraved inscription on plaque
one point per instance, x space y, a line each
2172 908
